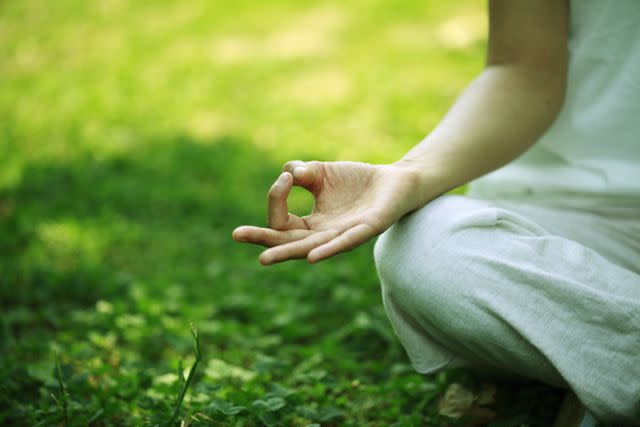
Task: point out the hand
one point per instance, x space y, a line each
354 202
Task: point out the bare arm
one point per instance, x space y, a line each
501 114
508 106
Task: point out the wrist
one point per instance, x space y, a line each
426 181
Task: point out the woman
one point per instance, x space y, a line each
537 272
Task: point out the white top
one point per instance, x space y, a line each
593 147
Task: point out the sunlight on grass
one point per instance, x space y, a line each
206 125
459 32
66 243
309 34
217 369
135 136
324 87
462 31
281 77
234 49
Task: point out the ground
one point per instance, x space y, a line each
134 136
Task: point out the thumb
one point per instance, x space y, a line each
305 174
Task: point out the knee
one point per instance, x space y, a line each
430 235
419 260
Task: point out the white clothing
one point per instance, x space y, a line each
593 147
538 275
521 290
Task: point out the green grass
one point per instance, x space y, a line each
134 136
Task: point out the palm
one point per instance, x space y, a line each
354 203
342 193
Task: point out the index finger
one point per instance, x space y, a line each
267 236
277 211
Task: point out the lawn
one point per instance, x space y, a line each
134 136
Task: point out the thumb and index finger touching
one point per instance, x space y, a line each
282 224
305 174
294 173
279 220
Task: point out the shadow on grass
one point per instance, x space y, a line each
73 229
157 219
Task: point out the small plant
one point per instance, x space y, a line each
185 383
61 400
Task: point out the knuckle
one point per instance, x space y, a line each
273 192
290 165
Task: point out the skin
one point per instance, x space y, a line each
502 113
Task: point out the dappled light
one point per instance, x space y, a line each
135 136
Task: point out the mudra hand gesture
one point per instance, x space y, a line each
354 202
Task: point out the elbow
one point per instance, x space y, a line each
544 84
551 85
548 91
552 92
558 96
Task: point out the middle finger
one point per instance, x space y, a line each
297 249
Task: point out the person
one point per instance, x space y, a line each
536 272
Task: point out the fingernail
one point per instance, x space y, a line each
282 179
237 234
299 171
312 257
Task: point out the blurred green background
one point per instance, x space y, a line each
134 136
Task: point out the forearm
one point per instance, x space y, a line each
498 117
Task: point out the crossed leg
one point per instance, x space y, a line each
466 282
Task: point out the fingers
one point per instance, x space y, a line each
305 174
298 249
266 236
278 216
348 240
277 211
301 243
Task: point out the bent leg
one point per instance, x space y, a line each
465 281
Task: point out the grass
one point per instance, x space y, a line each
134 136
63 396
185 383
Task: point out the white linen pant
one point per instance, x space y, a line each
520 290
